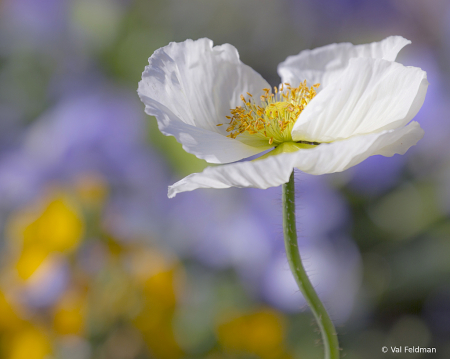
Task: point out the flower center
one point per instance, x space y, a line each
272 120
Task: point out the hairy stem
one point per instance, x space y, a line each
329 335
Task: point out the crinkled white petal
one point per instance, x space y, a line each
371 95
325 158
190 87
325 64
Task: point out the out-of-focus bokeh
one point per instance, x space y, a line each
96 262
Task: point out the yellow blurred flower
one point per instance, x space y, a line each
9 320
29 343
70 313
158 275
59 227
30 260
35 232
260 333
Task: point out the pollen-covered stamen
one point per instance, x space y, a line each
274 117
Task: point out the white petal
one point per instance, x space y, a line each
190 87
210 146
372 95
341 155
325 158
325 64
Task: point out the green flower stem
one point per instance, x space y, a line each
329 335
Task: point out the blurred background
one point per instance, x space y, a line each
96 262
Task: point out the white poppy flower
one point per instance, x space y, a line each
336 106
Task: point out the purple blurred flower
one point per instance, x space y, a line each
233 234
331 258
434 114
377 175
101 132
322 20
34 21
245 232
334 268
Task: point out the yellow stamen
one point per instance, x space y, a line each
273 118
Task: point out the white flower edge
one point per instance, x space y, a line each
325 158
371 95
190 87
325 64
